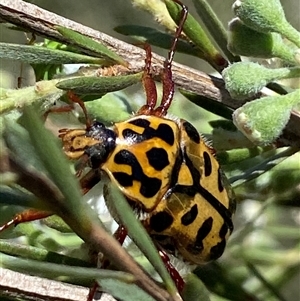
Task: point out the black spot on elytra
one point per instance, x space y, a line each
176 169
149 186
207 164
217 250
232 208
123 178
203 231
161 221
197 247
220 180
164 132
192 190
191 132
158 158
190 216
223 230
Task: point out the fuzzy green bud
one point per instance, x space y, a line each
243 40
263 120
266 16
245 79
158 10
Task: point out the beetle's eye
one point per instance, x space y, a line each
98 125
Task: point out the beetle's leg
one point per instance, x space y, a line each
68 108
75 99
167 81
179 282
87 182
64 109
149 85
25 216
120 235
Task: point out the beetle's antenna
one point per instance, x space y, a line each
183 16
167 81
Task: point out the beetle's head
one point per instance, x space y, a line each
95 143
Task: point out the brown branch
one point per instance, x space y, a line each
16 285
42 22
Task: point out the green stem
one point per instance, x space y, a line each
262 167
265 282
293 73
291 34
43 91
194 31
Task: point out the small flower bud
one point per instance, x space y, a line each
243 40
158 10
266 16
263 120
245 79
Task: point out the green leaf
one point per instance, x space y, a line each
156 38
90 44
217 279
110 108
197 35
124 291
262 167
55 271
18 141
194 289
120 208
208 104
58 167
41 55
238 155
57 223
99 85
13 196
45 72
214 26
39 254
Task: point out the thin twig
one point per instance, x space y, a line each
42 22
16 285
265 282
